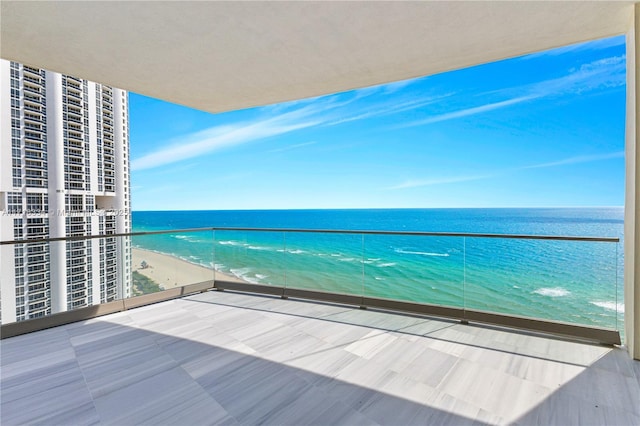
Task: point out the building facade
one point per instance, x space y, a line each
64 171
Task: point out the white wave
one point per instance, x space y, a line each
261 276
346 259
612 306
421 253
374 259
296 251
379 278
367 261
552 292
241 273
336 254
182 237
258 248
230 243
515 286
386 265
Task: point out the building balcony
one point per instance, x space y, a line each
32 89
29 135
32 79
223 357
33 71
33 98
74 102
32 108
203 345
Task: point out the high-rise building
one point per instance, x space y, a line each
64 171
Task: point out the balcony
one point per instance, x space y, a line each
262 386
32 108
273 357
31 98
222 357
31 70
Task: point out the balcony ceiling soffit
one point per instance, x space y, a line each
218 56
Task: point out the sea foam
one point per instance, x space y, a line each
421 253
612 306
552 292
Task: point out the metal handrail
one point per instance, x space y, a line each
321 231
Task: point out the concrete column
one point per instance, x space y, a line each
120 112
57 225
632 197
7 258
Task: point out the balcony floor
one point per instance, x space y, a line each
229 358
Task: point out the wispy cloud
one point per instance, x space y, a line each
336 109
396 86
602 73
576 160
389 108
220 137
290 147
470 111
416 183
278 120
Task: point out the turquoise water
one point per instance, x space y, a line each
570 281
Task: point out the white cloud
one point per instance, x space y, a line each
576 160
416 183
388 109
220 137
470 111
290 147
606 72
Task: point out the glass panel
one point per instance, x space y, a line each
569 281
415 269
164 261
252 257
44 278
325 262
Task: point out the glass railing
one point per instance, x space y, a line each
485 278
171 260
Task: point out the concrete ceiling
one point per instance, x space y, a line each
218 56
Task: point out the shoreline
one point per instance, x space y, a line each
170 271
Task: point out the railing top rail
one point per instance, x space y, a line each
322 231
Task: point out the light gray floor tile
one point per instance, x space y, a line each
231 358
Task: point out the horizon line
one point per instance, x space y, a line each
386 208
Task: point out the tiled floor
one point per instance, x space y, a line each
229 358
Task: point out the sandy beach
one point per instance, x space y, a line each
170 272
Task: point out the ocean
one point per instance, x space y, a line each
578 282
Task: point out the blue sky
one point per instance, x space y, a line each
545 129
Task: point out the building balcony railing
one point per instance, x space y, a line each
33 136
506 280
32 89
32 108
33 128
32 80
31 70
72 101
